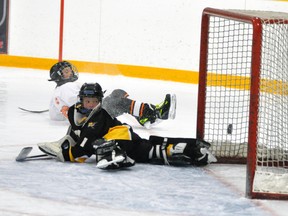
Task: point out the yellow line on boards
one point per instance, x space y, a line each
243 83
166 74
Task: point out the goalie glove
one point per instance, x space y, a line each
110 156
58 149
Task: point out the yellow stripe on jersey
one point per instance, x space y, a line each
71 155
81 159
121 132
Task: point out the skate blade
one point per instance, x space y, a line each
147 125
172 110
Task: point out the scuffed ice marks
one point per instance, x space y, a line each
151 188
54 188
3 102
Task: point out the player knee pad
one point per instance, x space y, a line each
117 103
119 93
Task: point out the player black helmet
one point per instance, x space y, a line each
57 75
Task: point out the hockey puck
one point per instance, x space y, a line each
229 129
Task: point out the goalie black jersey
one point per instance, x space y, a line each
98 124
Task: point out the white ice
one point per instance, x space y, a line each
48 187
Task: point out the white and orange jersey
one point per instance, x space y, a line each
63 97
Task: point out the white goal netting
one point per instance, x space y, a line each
228 95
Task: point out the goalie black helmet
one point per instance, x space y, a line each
63 72
91 90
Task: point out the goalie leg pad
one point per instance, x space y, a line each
181 151
169 151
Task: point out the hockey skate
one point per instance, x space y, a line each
205 156
153 115
148 117
167 109
110 156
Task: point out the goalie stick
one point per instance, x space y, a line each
33 111
23 155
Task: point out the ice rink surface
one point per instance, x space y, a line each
48 187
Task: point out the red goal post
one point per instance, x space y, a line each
243 95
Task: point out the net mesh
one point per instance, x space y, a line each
228 82
228 95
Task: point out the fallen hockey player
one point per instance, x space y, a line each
117 103
93 131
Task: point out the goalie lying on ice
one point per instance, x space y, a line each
93 131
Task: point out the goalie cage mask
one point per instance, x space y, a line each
92 90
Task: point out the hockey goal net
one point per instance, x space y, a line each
243 95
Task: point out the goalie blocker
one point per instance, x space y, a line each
116 154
